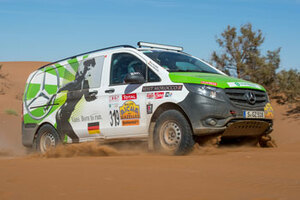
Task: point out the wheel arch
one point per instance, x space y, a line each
162 108
40 126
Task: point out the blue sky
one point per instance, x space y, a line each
40 30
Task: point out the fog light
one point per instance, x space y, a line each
211 121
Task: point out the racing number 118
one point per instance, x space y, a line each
114 118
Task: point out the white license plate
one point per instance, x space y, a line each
254 114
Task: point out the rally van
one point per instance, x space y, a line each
156 93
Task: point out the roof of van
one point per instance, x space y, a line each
94 51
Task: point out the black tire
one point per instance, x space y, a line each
47 137
173 134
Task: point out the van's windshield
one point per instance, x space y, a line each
179 62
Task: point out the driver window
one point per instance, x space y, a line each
122 64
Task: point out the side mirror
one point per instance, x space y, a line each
134 78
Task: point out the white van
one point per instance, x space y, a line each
155 93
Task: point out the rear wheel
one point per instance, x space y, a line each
47 138
173 134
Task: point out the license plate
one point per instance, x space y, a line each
254 114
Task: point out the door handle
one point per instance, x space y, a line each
112 90
93 93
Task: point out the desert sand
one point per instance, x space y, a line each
107 172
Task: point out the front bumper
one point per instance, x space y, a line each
228 119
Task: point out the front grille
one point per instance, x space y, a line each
239 97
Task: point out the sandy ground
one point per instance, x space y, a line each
106 173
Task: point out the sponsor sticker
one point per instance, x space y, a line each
162 88
129 110
159 95
243 84
126 97
209 83
94 128
149 108
168 94
114 98
269 112
131 122
150 96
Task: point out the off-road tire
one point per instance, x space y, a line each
49 133
173 122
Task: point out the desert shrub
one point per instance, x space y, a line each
11 112
288 86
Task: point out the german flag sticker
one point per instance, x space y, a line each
94 128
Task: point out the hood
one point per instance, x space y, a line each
216 80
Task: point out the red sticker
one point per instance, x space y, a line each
209 83
126 97
150 95
159 95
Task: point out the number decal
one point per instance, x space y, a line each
114 118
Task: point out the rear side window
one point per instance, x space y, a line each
81 74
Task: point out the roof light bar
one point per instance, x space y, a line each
159 46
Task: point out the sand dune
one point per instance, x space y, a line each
89 171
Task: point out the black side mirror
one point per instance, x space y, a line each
134 78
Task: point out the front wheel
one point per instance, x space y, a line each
173 134
47 138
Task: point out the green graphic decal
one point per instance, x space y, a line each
216 80
74 64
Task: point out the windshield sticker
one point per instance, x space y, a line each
159 95
243 84
126 97
209 83
161 88
94 128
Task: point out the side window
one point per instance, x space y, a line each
124 63
152 77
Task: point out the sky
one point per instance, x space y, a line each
40 30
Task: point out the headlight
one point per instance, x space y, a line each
205 90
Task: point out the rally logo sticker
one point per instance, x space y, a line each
269 112
159 95
209 83
130 110
149 108
243 84
94 128
126 97
150 96
114 98
168 94
161 88
131 122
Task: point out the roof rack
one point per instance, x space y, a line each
159 46
118 46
